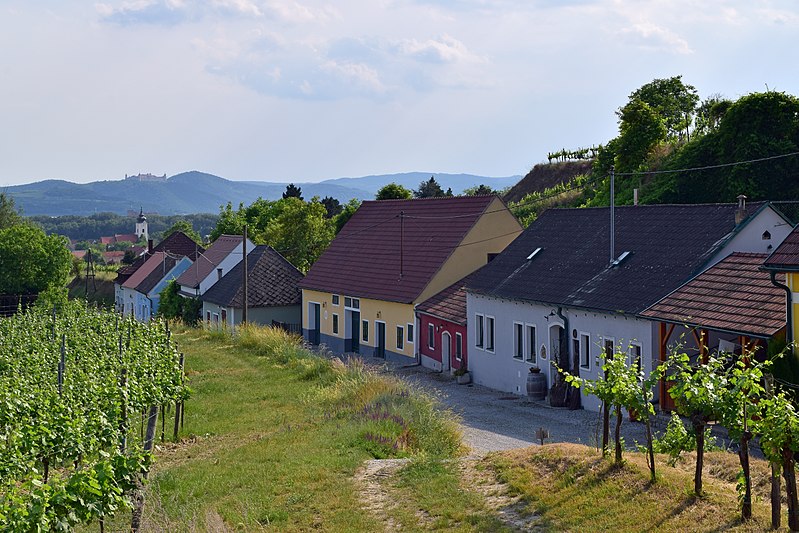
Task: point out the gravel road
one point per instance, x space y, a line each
494 420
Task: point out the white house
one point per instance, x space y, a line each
559 295
140 293
225 253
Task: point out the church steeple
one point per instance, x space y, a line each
141 225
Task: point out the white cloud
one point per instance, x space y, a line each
649 36
443 50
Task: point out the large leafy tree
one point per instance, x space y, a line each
301 232
393 191
672 100
186 228
9 216
292 191
346 214
430 189
641 128
332 205
31 261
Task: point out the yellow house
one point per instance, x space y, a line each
785 258
392 254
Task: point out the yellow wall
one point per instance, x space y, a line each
392 313
792 280
491 234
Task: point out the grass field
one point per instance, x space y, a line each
276 438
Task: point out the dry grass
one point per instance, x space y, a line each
575 489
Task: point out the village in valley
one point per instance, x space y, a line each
596 330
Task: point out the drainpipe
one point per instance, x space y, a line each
789 310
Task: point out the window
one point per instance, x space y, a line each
431 336
410 332
335 299
635 356
531 344
478 331
518 340
365 324
347 301
609 347
335 324
458 346
490 333
585 350
400 338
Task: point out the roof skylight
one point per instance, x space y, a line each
535 252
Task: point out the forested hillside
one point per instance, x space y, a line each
677 148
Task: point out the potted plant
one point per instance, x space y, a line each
462 375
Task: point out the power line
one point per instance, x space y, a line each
708 167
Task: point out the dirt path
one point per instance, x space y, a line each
375 479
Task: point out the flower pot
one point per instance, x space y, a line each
464 378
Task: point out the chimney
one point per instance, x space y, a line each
635 196
740 213
149 246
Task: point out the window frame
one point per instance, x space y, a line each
585 349
431 336
479 331
400 338
364 330
335 299
490 335
410 330
518 341
531 344
458 346
334 325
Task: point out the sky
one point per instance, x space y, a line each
306 90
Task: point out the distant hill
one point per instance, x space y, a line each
198 192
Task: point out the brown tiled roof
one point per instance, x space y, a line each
366 259
733 295
152 279
208 261
126 237
272 282
786 257
668 244
177 243
449 304
153 263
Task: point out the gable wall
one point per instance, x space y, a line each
750 236
232 259
492 233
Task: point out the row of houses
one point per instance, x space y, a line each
216 277
455 283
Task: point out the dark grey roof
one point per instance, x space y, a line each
272 281
668 244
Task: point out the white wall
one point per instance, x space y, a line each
750 236
500 370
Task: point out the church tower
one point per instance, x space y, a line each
141 225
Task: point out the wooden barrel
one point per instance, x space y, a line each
536 385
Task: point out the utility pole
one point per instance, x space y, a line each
244 251
612 214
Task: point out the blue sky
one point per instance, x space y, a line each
304 90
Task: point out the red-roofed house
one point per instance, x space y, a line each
218 260
442 326
731 307
140 292
391 255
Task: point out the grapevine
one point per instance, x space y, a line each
72 387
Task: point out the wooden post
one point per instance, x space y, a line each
152 421
61 364
245 276
123 418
